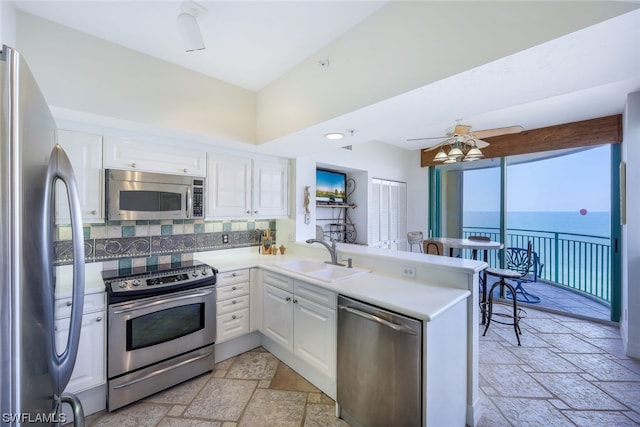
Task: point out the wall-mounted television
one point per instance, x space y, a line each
331 186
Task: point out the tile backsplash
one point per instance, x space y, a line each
168 240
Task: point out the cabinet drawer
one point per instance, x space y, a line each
278 280
92 303
231 277
232 291
232 325
315 294
232 304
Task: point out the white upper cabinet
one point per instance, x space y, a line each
85 153
131 154
241 187
270 188
228 187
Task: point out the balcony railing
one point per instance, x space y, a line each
580 262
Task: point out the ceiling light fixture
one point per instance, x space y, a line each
188 26
462 147
334 135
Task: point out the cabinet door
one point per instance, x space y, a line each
315 335
131 154
85 153
229 187
278 316
90 367
270 188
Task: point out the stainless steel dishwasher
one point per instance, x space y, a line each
379 366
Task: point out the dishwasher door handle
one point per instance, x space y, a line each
396 327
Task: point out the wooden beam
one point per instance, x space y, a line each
603 130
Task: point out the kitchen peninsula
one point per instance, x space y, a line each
438 295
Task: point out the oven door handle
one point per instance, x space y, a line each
141 305
163 370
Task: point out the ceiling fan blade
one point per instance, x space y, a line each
431 137
488 133
434 147
481 144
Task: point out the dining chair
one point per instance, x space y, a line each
433 247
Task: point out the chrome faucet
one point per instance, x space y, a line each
331 248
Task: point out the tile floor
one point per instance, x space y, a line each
252 389
568 372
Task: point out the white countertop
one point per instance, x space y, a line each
417 299
421 299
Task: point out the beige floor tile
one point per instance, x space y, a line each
254 365
578 393
530 412
599 419
135 415
274 408
318 415
221 399
286 378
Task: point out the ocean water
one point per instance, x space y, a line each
591 223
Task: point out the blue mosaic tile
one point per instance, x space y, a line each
128 231
166 230
226 226
198 228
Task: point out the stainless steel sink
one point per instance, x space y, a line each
322 271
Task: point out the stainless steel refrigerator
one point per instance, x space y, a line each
33 373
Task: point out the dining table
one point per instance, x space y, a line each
476 246
452 243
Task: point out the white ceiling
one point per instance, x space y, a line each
583 75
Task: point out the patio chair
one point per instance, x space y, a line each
526 262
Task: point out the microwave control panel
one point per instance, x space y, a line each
198 198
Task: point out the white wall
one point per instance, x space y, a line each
79 72
7 24
370 160
630 324
407 45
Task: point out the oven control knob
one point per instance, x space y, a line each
122 285
136 282
194 274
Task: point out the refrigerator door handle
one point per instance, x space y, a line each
61 365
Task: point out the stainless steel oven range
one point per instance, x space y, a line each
161 329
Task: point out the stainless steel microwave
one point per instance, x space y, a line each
133 195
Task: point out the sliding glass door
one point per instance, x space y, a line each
562 203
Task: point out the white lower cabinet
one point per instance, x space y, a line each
90 367
232 304
301 317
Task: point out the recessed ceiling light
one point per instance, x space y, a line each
334 135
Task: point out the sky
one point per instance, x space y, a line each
566 183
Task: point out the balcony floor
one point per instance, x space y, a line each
557 298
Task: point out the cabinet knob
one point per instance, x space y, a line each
133 165
234 317
99 319
69 303
233 302
295 301
255 212
287 299
94 212
184 170
233 274
248 212
233 288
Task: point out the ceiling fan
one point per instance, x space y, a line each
465 145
